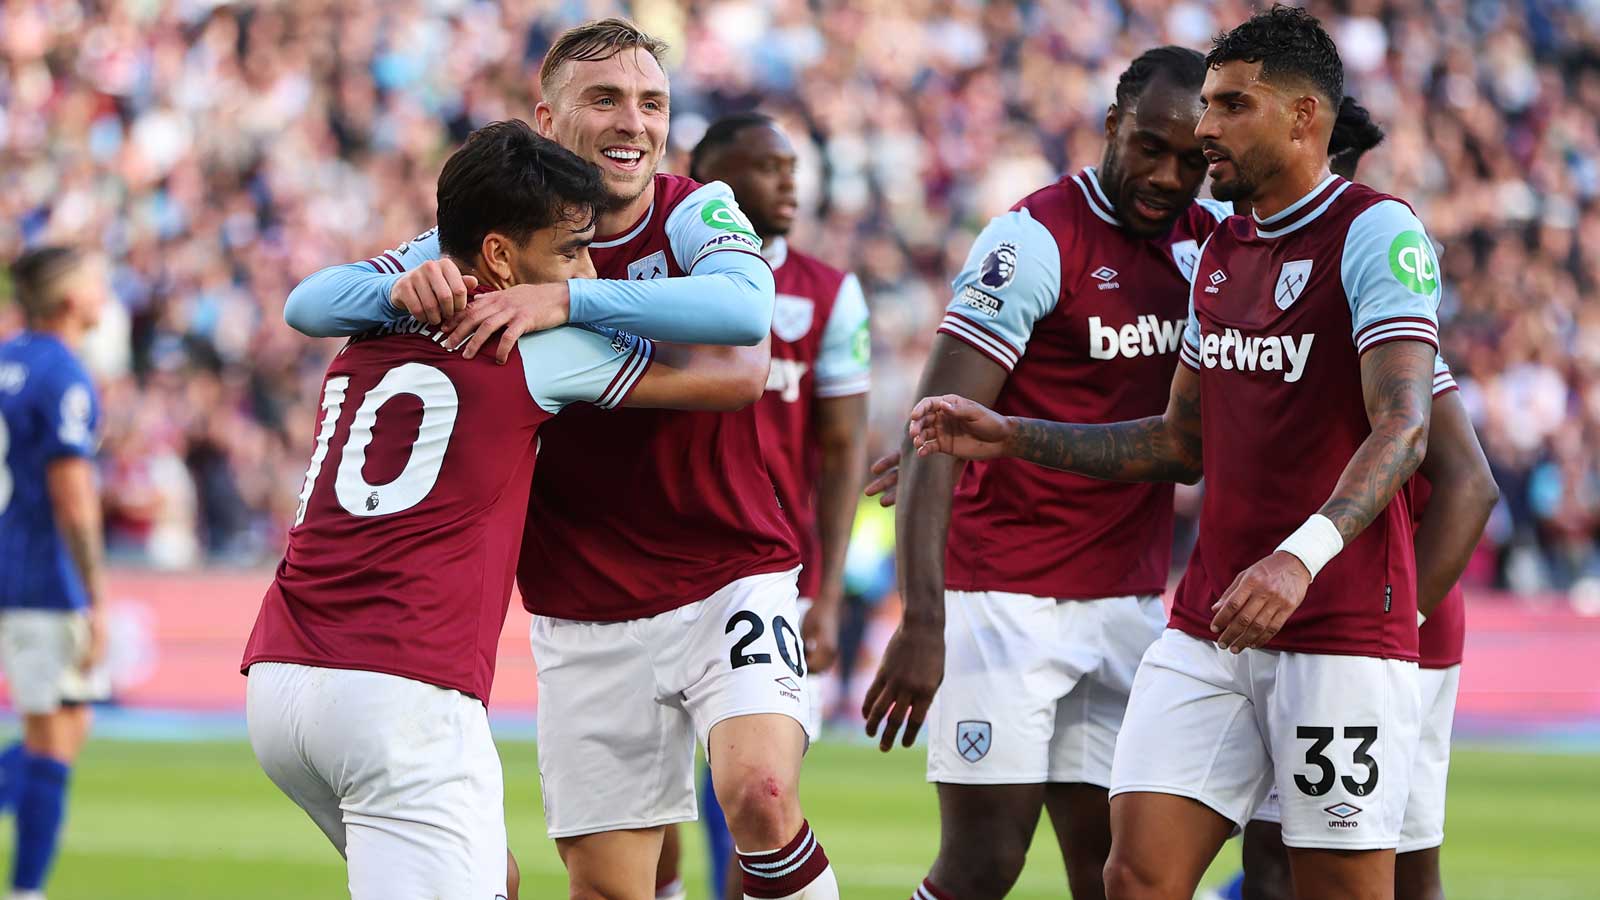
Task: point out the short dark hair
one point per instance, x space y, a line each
721 133
508 179
36 277
1288 42
1183 67
600 39
1354 133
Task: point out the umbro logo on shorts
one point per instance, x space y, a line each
1342 813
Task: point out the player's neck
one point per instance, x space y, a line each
1294 182
66 329
616 222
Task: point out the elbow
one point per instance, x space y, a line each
1484 491
750 321
298 310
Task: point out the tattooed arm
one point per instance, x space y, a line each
1158 448
1397 384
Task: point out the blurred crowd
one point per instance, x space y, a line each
219 151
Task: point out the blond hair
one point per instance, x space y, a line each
600 39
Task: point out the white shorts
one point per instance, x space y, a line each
40 650
622 703
1423 828
401 776
1336 735
1035 688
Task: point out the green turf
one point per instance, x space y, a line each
156 821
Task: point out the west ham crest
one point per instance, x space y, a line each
647 269
973 739
1291 282
791 317
1186 254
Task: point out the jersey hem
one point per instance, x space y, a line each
783 564
348 665
1075 596
1204 633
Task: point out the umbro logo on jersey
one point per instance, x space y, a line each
1149 336
1292 279
1232 350
1216 278
1106 276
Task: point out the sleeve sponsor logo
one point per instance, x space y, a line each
999 267
861 344
1412 263
76 407
731 241
622 341
983 302
725 216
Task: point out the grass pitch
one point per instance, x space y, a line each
184 821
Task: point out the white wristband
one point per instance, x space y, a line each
1314 543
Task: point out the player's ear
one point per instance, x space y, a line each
544 119
1113 118
1303 112
494 255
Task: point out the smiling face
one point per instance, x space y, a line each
1245 129
759 167
612 112
1153 166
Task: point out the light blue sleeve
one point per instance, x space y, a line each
1444 381
573 364
726 299
844 363
1219 209
1391 278
1011 280
353 298
1189 353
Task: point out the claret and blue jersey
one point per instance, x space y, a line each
48 411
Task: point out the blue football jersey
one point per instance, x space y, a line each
48 410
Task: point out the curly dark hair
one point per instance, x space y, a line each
1354 133
1181 66
1289 43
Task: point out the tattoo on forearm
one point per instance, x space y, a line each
1398 384
1140 450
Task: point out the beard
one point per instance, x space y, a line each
1251 170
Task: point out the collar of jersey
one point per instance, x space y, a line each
1301 212
630 234
1088 182
776 250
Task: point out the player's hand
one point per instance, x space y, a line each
433 292
94 649
885 483
958 426
819 633
1260 600
908 677
513 312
